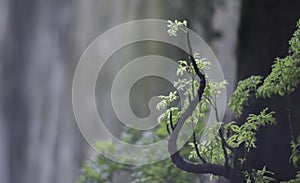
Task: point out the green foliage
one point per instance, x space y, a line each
240 97
105 146
295 157
166 100
210 148
283 79
99 170
213 89
260 176
163 171
164 120
175 26
285 74
102 170
295 180
246 133
190 86
295 42
184 67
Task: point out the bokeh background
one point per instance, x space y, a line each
42 41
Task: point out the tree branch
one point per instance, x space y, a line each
176 158
171 120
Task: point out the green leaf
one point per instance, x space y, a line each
235 128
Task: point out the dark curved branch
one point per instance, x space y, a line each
203 82
168 129
171 120
176 158
210 168
167 126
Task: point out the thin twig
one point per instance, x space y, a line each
194 134
168 129
223 142
197 149
171 120
290 117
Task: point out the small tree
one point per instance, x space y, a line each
224 150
